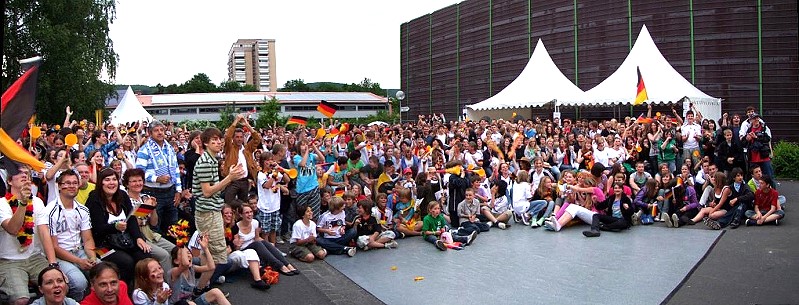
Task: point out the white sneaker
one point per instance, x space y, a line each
502 226
667 220
555 225
490 224
471 238
350 251
637 218
393 244
525 219
220 279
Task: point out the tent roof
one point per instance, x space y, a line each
663 83
539 83
129 110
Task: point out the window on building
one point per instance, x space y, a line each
300 108
183 110
158 111
372 107
209 110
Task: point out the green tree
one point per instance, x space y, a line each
296 85
226 116
268 113
200 83
72 37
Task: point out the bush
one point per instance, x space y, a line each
192 125
786 160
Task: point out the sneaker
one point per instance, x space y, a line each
394 244
220 279
668 221
259 284
440 245
279 240
675 221
366 248
548 225
735 224
541 221
663 216
525 219
637 218
516 218
776 222
534 224
556 225
750 222
591 233
401 235
283 253
710 223
471 238
350 251
502 226
490 224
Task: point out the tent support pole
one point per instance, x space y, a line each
760 53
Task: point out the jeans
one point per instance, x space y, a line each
537 206
268 254
555 172
167 212
336 245
456 238
77 279
469 227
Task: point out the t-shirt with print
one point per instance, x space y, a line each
331 222
268 201
368 226
306 175
67 224
9 244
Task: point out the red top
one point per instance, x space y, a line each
765 201
92 298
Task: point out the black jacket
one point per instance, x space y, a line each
607 206
99 217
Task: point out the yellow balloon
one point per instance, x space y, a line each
71 139
36 132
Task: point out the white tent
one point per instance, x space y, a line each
539 83
663 83
129 110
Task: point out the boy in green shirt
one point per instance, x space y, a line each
434 224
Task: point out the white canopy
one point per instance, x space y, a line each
663 83
129 110
539 83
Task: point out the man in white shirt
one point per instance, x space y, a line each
70 230
473 157
691 137
21 259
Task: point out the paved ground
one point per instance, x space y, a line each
745 266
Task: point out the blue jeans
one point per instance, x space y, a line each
76 277
538 205
336 245
469 227
165 208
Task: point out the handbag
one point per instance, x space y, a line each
647 219
120 241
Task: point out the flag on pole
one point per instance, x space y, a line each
643 120
18 105
143 210
340 192
640 94
104 252
327 108
297 120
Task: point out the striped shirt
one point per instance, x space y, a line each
206 171
151 153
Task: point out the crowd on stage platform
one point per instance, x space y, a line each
155 213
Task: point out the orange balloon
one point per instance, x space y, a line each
696 153
36 132
71 139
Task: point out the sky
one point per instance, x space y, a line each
344 41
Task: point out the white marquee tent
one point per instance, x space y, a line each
540 82
129 110
663 83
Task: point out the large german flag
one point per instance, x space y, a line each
301 120
327 108
17 107
640 93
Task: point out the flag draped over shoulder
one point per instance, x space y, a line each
301 120
327 108
640 93
17 107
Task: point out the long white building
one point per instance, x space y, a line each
207 106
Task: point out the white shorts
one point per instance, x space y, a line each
241 259
576 211
363 240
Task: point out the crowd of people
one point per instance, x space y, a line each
75 229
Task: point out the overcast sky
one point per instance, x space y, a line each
169 41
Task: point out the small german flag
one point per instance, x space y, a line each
301 120
327 108
143 210
340 192
104 252
640 93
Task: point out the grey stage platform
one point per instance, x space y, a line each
525 266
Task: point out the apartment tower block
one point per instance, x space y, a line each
252 62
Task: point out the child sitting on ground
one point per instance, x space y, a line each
182 278
407 221
303 237
350 209
434 225
370 234
150 286
382 213
334 235
468 209
766 208
496 211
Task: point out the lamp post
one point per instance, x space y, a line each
400 96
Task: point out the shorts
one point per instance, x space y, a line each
270 221
304 250
201 300
363 240
15 274
240 259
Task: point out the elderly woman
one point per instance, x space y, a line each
160 247
107 289
109 208
53 286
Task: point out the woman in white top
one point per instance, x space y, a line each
249 232
521 194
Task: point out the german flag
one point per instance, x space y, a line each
327 108
143 210
104 252
301 120
340 192
640 95
17 106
